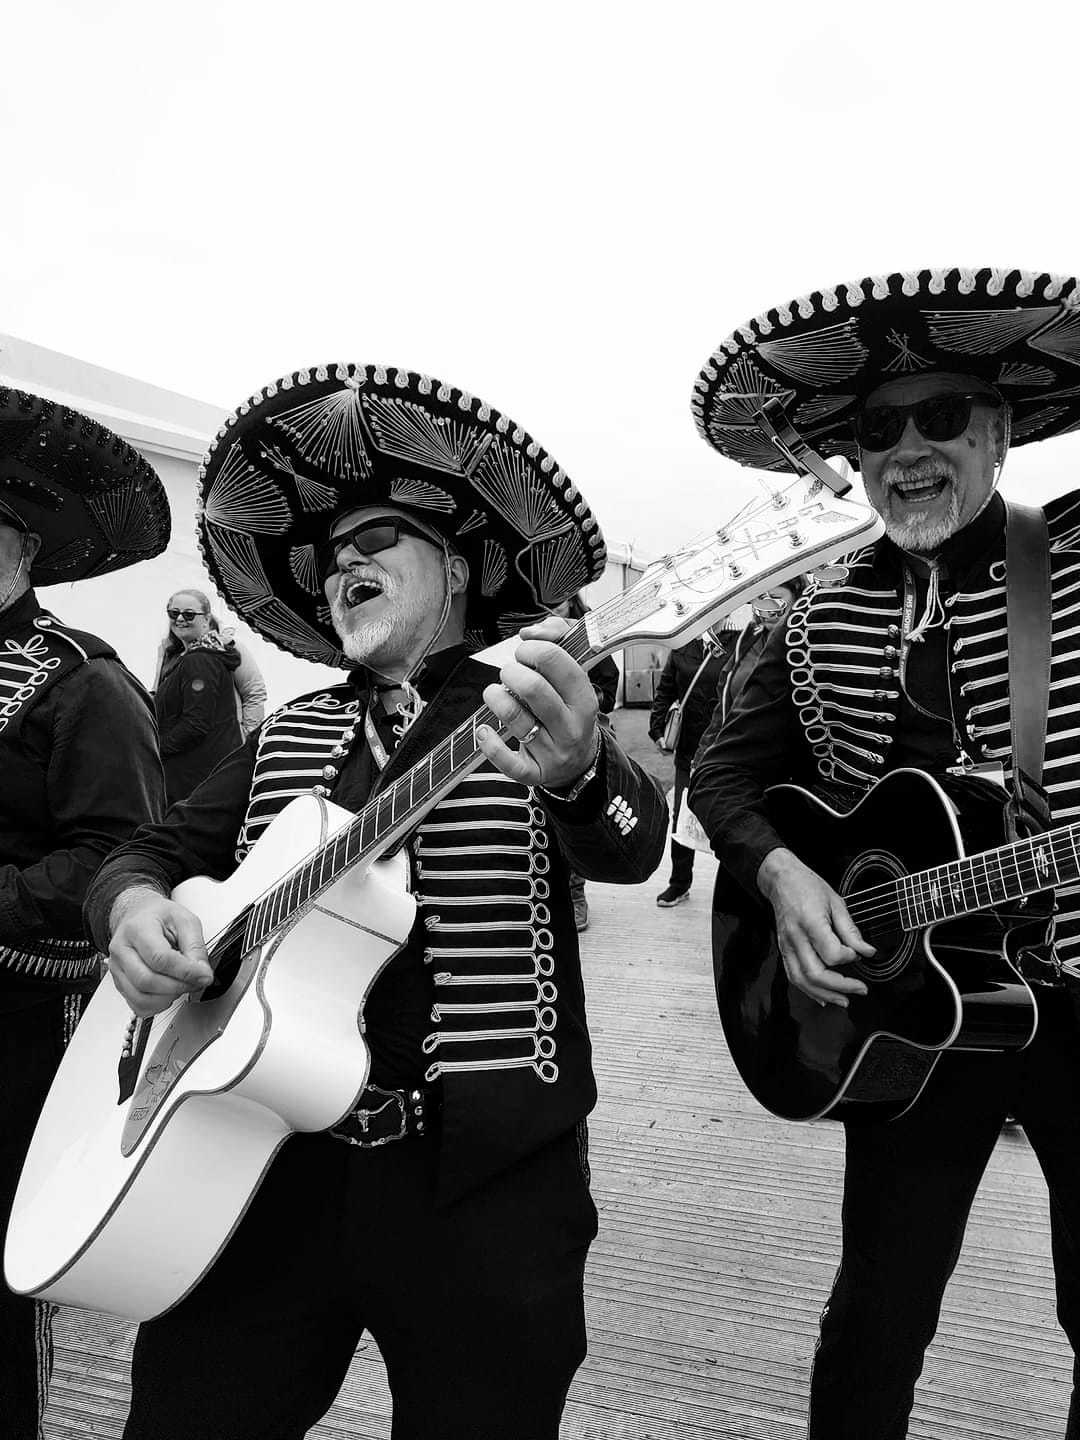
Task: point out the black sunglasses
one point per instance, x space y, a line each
939 417
183 614
369 537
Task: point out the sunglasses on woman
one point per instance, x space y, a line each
187 615
369 537
939 417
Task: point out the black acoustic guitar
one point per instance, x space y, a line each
923 869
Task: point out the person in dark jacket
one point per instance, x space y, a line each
80 772
195 700
394 525
744 654
905 659
698 697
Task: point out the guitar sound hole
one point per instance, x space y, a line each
869 887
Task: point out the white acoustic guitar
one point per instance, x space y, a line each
137 1175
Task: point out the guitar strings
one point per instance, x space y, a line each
1061 845
571 642
574 642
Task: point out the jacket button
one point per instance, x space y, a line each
329 772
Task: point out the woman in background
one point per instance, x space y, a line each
195 699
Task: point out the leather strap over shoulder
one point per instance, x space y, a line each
1027 566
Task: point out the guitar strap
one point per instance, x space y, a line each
1027 573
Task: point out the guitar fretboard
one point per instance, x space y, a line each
992 877
391 813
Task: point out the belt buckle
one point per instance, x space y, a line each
365 1115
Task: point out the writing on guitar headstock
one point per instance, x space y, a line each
766 543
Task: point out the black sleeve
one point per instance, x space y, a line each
200 678
605 681
103 780
198 836
615 830
760 745
663 699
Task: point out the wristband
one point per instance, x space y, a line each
566 796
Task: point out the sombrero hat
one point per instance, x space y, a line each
821 354
339 436
96 503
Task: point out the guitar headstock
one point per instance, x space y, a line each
794 530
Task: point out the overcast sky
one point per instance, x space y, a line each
560 207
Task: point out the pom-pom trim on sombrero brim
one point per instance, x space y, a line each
824 352
341 436
97 504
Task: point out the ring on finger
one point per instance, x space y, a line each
531 733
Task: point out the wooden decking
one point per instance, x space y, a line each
718 1242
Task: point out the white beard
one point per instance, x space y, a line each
360 644
921 533
388 640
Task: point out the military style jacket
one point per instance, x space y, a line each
485 999
78 757
847 690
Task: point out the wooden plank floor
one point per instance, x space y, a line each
718 1241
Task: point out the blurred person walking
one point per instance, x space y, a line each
689 680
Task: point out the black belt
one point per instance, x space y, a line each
382 1116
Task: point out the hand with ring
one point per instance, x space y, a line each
547 703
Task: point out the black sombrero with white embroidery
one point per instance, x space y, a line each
96 503
340 436
823 353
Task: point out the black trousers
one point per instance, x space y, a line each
477 1308
31 1043
682 857
908 1189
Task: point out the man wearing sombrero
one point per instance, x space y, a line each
380 520
921 379
80 772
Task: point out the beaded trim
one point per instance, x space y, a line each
482 865
61 960
277 470
821 352
98 505
491 948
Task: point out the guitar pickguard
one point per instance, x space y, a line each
189 1029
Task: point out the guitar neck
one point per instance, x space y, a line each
992 877
677 598
393 813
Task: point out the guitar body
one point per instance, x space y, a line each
123 1207
133 1185
951 985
